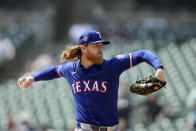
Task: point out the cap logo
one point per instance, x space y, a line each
99 34
85 38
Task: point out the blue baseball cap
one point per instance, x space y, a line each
91 37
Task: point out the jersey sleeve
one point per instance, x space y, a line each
127 61
62 70
122 62
50 73
145 56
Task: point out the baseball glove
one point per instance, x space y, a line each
147 86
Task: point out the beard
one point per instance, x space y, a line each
96 59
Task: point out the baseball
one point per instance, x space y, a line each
23 84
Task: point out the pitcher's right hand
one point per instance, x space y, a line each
25 82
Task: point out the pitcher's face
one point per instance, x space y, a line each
95 53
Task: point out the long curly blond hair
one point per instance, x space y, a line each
71 53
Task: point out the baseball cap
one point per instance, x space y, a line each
91 37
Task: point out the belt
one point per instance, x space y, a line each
96 128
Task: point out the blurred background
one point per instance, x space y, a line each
33 34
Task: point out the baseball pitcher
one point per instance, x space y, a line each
94 81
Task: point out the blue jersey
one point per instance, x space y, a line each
95 90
